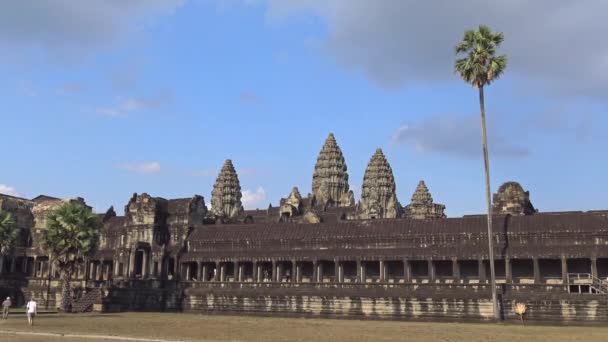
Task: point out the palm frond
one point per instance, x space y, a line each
480 66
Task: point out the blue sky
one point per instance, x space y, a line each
108 98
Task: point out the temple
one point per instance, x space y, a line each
323 254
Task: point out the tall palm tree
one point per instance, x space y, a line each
72 233
8 233
480 67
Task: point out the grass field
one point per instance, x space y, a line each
192 327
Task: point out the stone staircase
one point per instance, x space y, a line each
586 283
86 302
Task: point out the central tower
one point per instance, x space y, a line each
226 194
330 179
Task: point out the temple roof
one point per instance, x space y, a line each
398 228
518 236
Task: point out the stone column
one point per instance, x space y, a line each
187 267
564 270
131 269
320 272
482 271
176 268
92 269
358 271
13 264
594 267
235 271
295 272
455 269
431 270
222 272
204 272
255 272
100 270
363 273
280 272
508 270
336 271
145 262
537 279
407 271
381 269
199 271
273 272
216 274
24 265
315 271
35 268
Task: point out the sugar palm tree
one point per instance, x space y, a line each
8 233
479 66
72 233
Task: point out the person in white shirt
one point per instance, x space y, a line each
30 309
6 305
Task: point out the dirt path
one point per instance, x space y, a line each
81 336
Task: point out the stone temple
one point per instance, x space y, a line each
323 254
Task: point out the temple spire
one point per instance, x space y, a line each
422 206
226 194
511 198
330 179
378 192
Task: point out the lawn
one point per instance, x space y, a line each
192 327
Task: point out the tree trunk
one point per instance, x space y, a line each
66 298
486 162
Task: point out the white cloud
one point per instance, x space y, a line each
131 105
70 27
253 200
8 190
205 173
142 168
249 98
247 171
398 41
457 135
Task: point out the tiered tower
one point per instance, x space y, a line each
292 205
226 194
330 179
378 197
422 206
512 199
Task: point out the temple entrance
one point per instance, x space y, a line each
138 269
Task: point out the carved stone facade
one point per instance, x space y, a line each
378 193
511 198
226 195
330 178
169 254
292 205
422 206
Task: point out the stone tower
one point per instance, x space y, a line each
422 206
330 179
226 194
292 205
378 197
512 199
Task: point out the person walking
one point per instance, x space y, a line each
30 309
6 305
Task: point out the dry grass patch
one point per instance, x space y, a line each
192 327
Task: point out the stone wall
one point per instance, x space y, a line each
424 303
